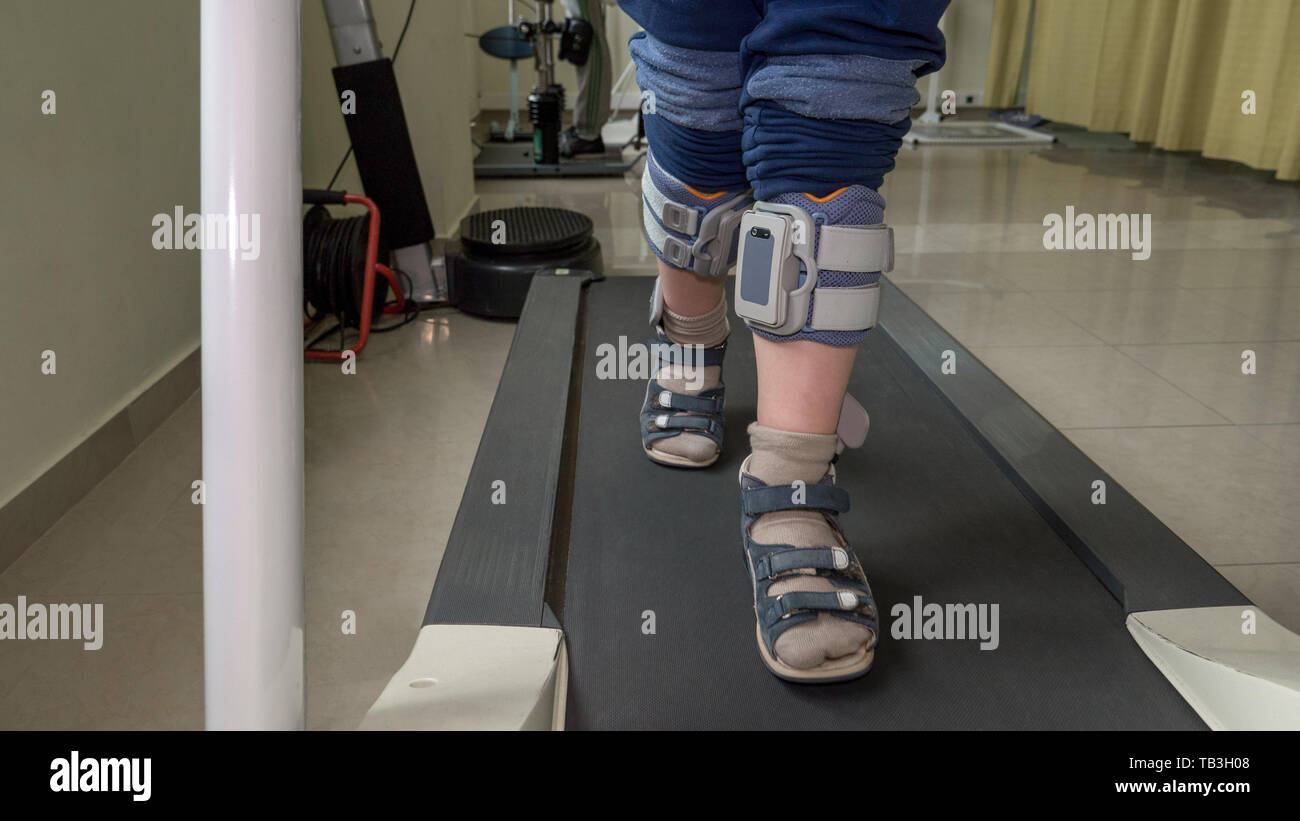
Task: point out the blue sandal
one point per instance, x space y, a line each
768 563
665 413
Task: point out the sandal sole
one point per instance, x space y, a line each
677 461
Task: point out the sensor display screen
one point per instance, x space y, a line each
756 272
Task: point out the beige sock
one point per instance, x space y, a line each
708 330
780 458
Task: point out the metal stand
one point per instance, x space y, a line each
352 31
537 155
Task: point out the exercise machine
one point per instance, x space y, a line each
585 587
497 253
510 152
382 144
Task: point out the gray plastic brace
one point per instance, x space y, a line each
784 311
709 254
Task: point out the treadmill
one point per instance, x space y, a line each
572 595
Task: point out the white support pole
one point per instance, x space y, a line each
253 602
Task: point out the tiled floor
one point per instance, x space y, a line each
387 454
1139 362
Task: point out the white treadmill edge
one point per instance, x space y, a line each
1233 680
488 677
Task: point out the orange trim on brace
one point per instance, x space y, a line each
832 195
707 196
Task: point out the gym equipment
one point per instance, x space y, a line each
382 143
777 244
511 154
340 260
490 266
508 43
571 595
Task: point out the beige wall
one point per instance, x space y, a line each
78 273
78 190
968 25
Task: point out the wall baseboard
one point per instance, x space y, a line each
27 516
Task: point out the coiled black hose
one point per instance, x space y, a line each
334 266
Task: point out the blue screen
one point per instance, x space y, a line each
757 269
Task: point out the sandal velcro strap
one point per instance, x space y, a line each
688 356
768 498
787 604
668 400
666 421
783 559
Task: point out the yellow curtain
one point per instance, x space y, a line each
1006 52
1172 72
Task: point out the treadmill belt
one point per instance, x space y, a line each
933 517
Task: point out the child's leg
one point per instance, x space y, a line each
694 190
827 94
801 384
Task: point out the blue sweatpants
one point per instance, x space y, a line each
783 95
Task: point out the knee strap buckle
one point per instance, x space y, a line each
777 248
713 234
710 232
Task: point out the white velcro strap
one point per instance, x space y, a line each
845 309
862 248
677 252
676 217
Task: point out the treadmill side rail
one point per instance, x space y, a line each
1235 666
477 677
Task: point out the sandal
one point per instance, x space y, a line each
768 563
665 413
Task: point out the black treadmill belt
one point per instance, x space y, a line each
933 516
